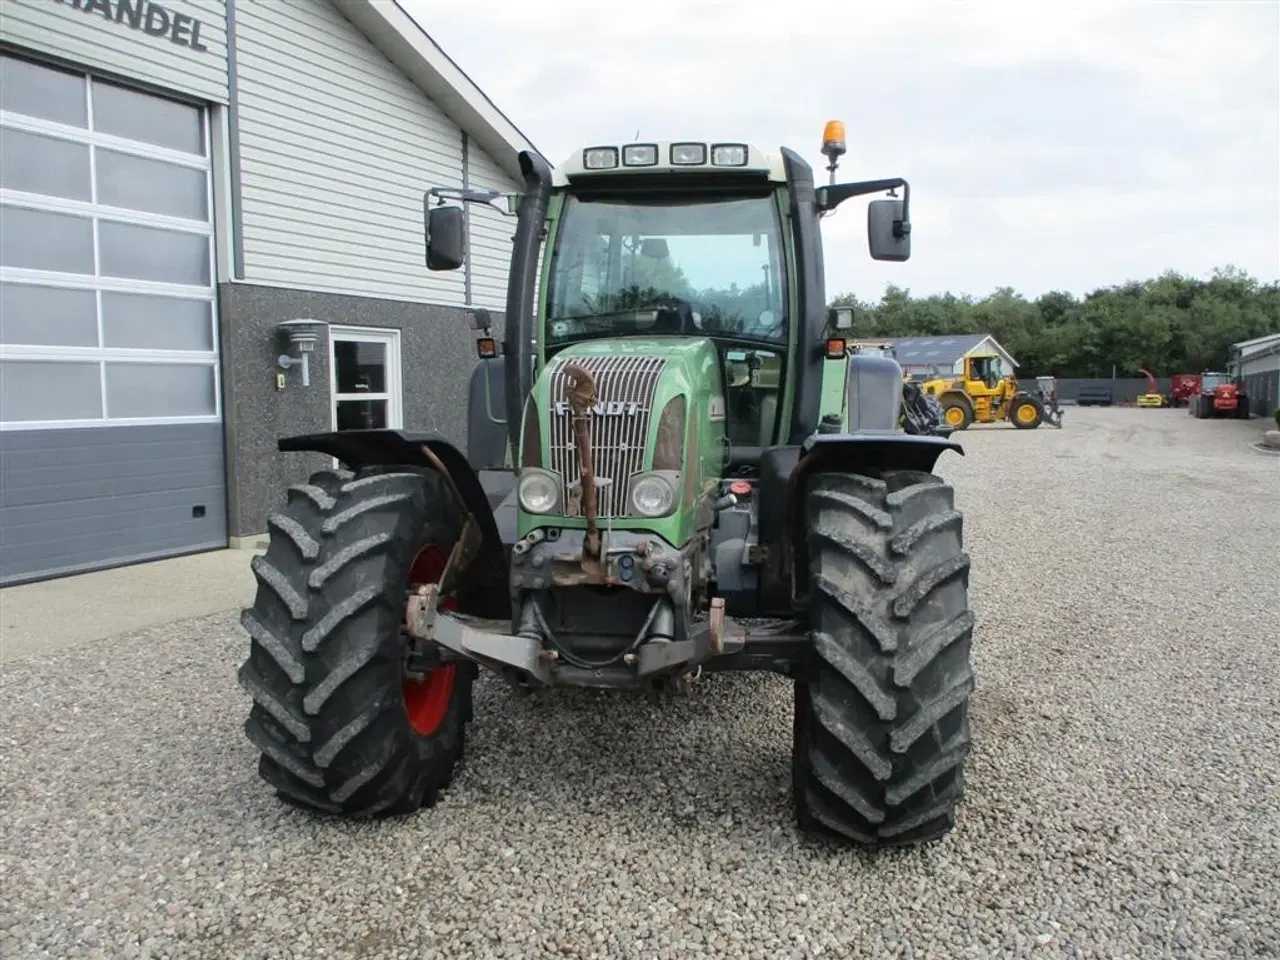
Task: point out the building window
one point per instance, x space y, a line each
365 378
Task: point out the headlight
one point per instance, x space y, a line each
729 155
539 491
652 495
600 158
640 155
688 154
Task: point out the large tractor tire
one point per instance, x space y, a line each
957 411
881 730
1026 413
340 725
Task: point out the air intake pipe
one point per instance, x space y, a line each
531 218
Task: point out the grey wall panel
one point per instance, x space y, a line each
337 148
1264 392
438 354
1123 389
78 499
178 45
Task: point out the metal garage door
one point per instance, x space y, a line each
110 410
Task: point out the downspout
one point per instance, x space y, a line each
466 184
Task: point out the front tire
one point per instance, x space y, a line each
339 725
881 729
957 411
1026 413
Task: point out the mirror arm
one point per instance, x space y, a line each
469 195
828 198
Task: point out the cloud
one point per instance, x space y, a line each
1049 146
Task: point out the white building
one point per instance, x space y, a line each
942 355
178 177
1257 363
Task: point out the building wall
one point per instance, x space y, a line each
438 354
337 149
178 45
489 231
1262 382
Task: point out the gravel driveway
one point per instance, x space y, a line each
1124 790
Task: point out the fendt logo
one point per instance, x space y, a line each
614 408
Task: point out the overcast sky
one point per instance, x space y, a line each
1049 145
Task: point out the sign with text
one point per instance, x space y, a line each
145 16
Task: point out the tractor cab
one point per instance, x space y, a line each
985 369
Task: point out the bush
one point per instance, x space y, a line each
1278 418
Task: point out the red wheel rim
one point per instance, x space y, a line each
427 701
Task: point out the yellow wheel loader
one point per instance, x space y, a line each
983 393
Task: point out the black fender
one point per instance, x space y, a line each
358 449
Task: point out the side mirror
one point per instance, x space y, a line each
446 237
888 235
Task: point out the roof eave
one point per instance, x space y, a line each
1258 343
404 42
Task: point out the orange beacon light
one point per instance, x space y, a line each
833 141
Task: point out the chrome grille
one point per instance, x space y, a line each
617 434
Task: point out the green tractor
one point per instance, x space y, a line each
675 466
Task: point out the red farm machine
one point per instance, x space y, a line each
1183 387
1219 396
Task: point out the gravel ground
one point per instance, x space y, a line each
1124 796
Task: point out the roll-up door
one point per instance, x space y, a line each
111 444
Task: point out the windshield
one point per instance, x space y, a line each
1210 381
667 266
988 369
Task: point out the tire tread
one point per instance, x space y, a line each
882 727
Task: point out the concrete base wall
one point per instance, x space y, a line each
437 356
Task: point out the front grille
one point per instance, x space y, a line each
619 425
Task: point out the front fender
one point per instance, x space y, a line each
357 449
882 449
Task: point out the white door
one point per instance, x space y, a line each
365 378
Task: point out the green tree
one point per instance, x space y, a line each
1168 324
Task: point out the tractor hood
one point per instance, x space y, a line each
653 412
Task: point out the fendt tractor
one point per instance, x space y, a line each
700 476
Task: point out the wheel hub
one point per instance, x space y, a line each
427 696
